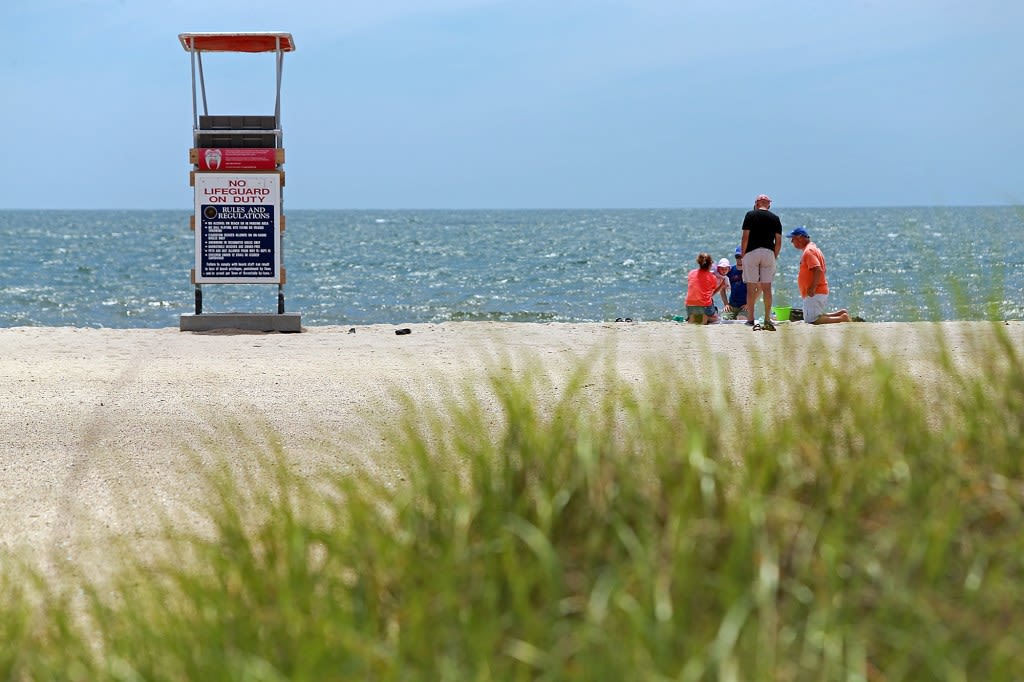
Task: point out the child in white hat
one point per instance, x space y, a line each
722 273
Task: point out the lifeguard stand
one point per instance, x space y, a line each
238 176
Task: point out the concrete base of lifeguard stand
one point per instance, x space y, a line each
259 322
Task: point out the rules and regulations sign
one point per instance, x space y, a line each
238 228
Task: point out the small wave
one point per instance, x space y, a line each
501 316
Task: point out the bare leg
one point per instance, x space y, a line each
753 290
833 318
767 301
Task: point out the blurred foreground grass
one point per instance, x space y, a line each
857 525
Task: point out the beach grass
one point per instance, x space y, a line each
855 523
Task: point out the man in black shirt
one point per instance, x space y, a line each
762 240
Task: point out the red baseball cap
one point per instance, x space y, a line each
764 197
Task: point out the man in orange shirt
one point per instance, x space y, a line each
812 282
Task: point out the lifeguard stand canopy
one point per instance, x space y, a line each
266 41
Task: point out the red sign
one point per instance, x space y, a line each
211 159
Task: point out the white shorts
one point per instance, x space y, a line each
759 266
814 307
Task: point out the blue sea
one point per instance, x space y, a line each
345 267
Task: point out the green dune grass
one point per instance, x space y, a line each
862 526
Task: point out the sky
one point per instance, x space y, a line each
456 104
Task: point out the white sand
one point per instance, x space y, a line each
97 423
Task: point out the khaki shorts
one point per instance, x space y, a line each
734 312
759 266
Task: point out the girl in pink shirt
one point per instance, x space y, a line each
701 284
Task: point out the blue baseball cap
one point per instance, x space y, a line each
739 250
798 232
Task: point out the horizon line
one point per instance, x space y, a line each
542 208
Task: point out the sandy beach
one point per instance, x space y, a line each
102 427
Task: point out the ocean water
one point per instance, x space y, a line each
131 268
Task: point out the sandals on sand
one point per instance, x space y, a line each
766 327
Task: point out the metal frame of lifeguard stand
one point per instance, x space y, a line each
239 133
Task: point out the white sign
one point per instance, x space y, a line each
238 228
